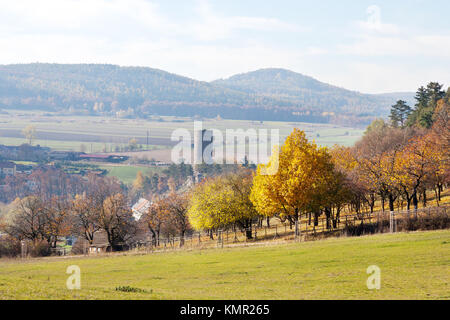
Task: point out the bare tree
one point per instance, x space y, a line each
30 133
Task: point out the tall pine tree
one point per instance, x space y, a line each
399 114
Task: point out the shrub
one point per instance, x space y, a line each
79 246
9 247
356 230
425 222
130 289
40 249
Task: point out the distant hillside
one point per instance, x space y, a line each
305 92
269 94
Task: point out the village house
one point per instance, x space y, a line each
140 208
24 169
7 168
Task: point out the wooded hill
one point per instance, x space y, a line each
267 94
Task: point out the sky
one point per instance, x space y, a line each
368 46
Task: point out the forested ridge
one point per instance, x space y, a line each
268 94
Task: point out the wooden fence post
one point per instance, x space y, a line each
297 231
391 221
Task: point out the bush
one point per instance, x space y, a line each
9 247
40 249
79 246
130 289
436 221
361 229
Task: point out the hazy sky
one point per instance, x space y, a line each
369 46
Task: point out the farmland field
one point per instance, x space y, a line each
105 133
413 266
127 174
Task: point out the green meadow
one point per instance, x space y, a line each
127 174
413 266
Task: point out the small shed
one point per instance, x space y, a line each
100 244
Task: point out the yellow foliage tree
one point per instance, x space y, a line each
223 201
419 161
297 187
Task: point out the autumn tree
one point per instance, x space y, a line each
174 208
155 218
413 164
362 189
58 219
85 211
30 133
441 124
91 214
375 126
376 154
297 187
139 185
28 220
116 220
223 201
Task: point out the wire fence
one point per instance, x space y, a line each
308 228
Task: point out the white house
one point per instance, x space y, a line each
140 208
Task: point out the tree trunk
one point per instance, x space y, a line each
316 219
336 219
328 216
297 233
391 202
248 229
415 201
158 238
437 197
372 202
182 238
424 197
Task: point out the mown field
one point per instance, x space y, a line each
413 266
127 174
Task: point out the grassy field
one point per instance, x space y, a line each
413 266
127 174
67 145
